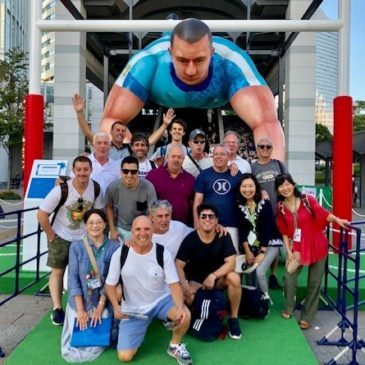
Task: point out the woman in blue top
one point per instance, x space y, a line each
259 238
86 298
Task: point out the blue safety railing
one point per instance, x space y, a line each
347 295
19 263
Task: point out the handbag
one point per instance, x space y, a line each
254 303
92 336
242 267
208 311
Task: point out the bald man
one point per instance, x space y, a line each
149 288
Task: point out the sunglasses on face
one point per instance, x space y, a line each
207 216
80 208
127 171
199 142
263 146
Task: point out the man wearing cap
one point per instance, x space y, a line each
266 169
197 159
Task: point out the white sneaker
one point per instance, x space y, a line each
180 353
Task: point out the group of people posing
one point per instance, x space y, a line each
141 235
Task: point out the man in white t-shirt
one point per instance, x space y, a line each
140 147
67 226
149 288
167 232
232 141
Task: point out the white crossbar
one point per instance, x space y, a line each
168 25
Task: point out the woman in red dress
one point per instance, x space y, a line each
301 221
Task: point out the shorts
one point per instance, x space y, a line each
58 253
132 331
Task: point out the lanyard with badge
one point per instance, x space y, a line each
297 237
93 281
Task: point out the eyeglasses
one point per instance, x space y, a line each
207 216
96 223
127 171
198 142
80 208
263 146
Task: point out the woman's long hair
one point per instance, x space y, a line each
279 180
241 200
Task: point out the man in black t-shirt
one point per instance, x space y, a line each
206 260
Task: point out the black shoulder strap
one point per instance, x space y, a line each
281 167
194 162
124 254
96 189
123 258
153 164
159 254
64 194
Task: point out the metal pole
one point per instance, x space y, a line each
168 25
35 48
343 47
106 77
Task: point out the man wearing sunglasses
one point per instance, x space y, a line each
217 186
127 198
207 260
197 160
67 225
266 169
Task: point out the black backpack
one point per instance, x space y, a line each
64 195
208 311
124 254
254 303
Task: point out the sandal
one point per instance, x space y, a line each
304 325
285 315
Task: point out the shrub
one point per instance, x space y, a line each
10 195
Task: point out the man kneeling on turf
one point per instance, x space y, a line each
207 260
147 273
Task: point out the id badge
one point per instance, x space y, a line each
297 235
251 238
93 283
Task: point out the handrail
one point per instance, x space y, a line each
19 237
346 287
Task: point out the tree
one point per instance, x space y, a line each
322 133
359 115
13 88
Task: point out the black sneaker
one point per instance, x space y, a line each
234 328
273 282
58 316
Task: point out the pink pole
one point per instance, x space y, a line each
342 158
33 133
